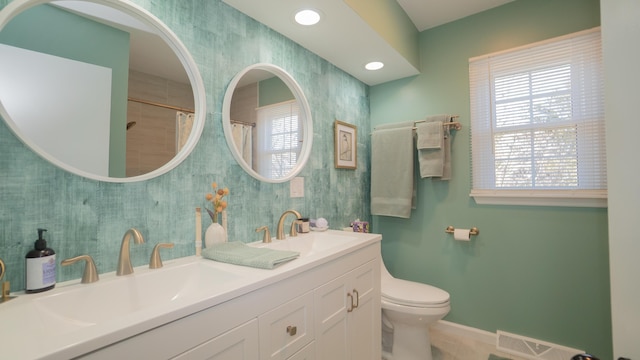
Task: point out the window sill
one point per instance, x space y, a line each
572 198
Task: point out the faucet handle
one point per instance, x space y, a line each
155 262
266 238
4 286
90 272
294 227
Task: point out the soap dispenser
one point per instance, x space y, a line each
41 266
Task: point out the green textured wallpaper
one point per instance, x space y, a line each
541 272
89 217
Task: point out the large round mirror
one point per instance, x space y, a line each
100 88
267 123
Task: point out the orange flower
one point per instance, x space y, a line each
216 201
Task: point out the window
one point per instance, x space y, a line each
279 146
537 124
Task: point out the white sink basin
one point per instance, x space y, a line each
117 297
308 244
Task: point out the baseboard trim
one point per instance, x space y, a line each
465 331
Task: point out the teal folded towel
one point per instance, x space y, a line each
239 253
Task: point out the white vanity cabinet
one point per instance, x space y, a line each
328 310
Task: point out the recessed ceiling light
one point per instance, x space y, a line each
374 65
307 17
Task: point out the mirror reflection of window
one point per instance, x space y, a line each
266 100
278 129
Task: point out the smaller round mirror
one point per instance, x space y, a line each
267 123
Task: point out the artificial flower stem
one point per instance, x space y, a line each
213 215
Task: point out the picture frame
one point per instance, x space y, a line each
345 139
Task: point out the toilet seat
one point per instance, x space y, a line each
409 293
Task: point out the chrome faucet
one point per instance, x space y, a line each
293 231
124 261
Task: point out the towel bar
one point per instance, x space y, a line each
450 124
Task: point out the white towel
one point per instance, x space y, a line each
392 171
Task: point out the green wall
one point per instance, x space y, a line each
273 91
541 272
54 31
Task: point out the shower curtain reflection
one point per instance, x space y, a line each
184 123
242 138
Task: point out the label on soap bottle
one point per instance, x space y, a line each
41 272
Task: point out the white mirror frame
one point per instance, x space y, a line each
17 6
307 137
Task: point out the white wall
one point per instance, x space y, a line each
621 43
62 106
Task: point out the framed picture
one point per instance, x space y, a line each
345 149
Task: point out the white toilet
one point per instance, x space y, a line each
409 308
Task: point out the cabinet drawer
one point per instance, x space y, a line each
240 343
287 328
307 353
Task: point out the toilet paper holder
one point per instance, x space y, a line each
473 231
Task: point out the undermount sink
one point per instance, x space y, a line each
308 244
117 297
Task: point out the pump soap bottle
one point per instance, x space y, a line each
41 266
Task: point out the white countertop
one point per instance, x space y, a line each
30 330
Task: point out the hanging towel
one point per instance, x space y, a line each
430 135
446 168
435 161
239 253
392 185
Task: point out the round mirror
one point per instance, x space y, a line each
267 123
100 88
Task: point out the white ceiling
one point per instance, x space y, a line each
426 14
342 37
346 40
150 54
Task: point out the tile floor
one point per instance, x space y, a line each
446 346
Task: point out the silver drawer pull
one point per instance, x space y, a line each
292 330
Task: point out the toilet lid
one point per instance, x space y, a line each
411 293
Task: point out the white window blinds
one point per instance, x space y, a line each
278 132
537 122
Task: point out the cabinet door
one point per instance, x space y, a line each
240 343
331 304
364 321
348 315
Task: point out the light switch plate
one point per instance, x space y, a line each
296 187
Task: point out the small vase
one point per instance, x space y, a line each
215 234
